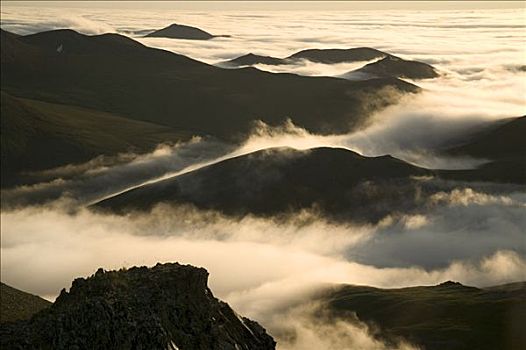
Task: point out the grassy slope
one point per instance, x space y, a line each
337 181
17 305
392 66
38 135
504 144
505 140
116 74
341 183
447 316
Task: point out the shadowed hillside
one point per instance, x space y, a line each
395 67
115 74
252 59
387 65
38 135
503 144
446 316
502 140
17 305
180 31
337 181
329 56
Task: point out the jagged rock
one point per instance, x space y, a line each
168 306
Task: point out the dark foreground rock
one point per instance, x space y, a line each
168 306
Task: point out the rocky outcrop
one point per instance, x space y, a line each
168 306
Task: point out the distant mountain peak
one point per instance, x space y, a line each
392 66
181 31
252 59
451 284
330 56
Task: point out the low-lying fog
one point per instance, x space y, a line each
265 268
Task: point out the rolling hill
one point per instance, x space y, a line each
330 56
501 140
338 182
392 66
16 305
327 56
387 65
251 59
74 97
503 144
180 31
115 74
39 135
446 316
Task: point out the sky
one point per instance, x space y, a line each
280 5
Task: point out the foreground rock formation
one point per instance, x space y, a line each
168 306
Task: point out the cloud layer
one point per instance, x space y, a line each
262 267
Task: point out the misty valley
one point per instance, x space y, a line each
263 175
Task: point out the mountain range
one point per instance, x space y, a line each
385 66
111 77
116 74
327 56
